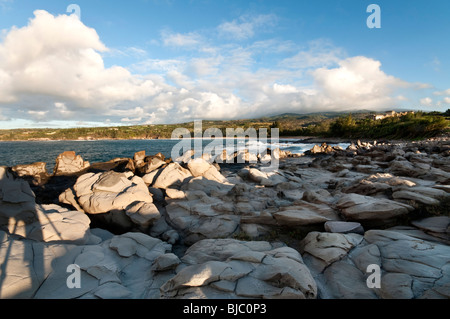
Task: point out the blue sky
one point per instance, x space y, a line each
156 61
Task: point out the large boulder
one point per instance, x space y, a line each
171 176
147 164
200 167
17 200
199 218
228 268
323 149
266 178
102 192
37 172
122 194
69 163
139 158
153 163
186 157
224 157
203 208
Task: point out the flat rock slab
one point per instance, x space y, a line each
329 247
410 267
299 217
344 227
362 208
413 196
119 267
440 224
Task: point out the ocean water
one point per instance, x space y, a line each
28 152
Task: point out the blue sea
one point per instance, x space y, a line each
28 152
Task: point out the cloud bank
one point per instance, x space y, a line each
53 69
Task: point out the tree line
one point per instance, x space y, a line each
410 126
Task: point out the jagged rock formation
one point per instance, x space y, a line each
193 229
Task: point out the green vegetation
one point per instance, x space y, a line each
409 126
160 131
342 125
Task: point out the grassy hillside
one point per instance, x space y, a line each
345 125
410 126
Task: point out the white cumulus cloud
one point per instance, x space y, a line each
445 92
357 82
53 69
427 101
59 57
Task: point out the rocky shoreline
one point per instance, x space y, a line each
151 227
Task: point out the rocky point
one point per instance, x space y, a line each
150 227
